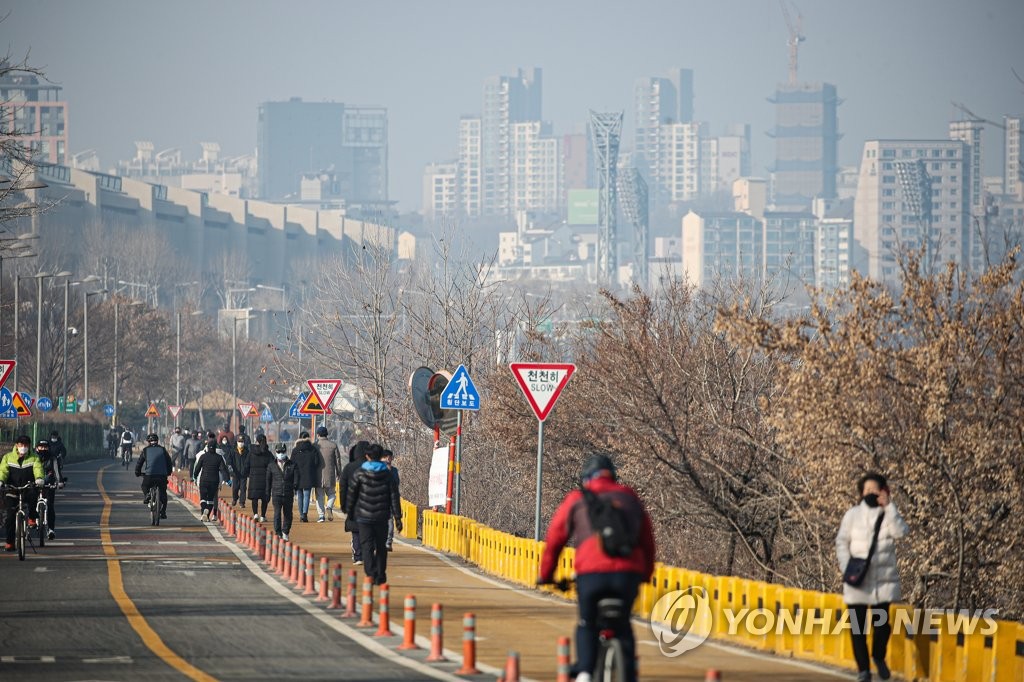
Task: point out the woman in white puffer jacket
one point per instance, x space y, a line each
881 584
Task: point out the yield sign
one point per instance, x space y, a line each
152 411
312 405
542 383
175 410
5 369
244 409
325 390
18 403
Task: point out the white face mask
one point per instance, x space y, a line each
53 440
22 449
282 456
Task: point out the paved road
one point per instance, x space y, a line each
116 599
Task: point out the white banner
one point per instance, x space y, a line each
437 489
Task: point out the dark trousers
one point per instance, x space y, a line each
357 546
11 502
208 496
262 501
51 509
373 537
591 588
160 483
283 508
859 633
238 488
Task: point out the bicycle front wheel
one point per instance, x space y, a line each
20 533
611 663
41 525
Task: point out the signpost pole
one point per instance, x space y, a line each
540 478
458 463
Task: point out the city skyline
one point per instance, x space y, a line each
931 54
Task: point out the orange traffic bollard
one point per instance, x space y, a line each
350 597
293 569
367 620
310 560
563 660
335 587
468 646
436 634
409 624
384 617
299 579
324 568
712 675
512 667
286 552
261 542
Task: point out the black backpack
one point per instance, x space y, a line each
610 524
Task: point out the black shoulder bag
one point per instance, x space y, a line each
857 568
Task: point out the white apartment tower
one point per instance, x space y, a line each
679 166
441 190
970 132
469 166
507 100
537 172
913 194
1013 169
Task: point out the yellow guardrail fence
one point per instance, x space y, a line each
939 646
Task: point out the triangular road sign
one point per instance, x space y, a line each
152 411
244 409
175 410
312 405
253 412
18 403
325 390
542 383
300 400
5 369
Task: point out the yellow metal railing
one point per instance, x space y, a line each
804 624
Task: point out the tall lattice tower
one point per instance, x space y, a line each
635 206
605 130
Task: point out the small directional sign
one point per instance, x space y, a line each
21 405
5 369
542 383
44 404
460 393
152 411
108 410
266 415
325 390
175 410
7 410
312 405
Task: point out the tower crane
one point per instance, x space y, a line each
795 38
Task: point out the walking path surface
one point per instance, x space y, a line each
511 618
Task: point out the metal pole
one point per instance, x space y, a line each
39 348
234 396
458 463
17 307
113 417
64 369
540 477
177 369
85 345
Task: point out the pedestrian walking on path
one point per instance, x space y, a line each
372 498
326 490
239 462
259 460
207 472
282 481
308 462
356 457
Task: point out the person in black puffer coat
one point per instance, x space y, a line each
240 464
259 459
207 471
282 480
309 463
373 498
356 458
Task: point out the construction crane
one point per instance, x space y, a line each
795 38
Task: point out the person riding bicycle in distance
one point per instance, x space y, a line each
53 478
17 468
602 570
155 466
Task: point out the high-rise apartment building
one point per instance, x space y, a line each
913 195
679 166
469 166
440 190
34 112
1013 166
806 142
722 246
296 138
789 246
834 252
536 181
970 132
507 100
659 101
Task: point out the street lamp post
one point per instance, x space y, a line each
234 341
177 367
116 321
40 276
67 294
14 252
85 340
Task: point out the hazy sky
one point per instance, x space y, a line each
186 71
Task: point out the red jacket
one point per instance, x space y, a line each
570 523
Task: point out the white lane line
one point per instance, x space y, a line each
364 640
172 542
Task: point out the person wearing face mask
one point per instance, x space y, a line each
17 468
57 448
224 449
260 458
207 472
239 463
869 531
282 482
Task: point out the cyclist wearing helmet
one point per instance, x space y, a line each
599 575
17 468
155 466
53 477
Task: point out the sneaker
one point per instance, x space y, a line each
163 515
263 519
357 562
583 677
304 518
861 677
206 515
389 548
52 535
330 514
255 516
883 669
321 520
284 536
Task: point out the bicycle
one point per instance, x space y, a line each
42 507
126 454
612 614
21 533
153 502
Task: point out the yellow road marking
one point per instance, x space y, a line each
128 608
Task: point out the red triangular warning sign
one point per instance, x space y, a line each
252 411
18 402
542 383
5 369
312 405
325 390
152 411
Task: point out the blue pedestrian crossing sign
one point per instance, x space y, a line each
7 410
460 393
266 415
293 411
44 404
108 410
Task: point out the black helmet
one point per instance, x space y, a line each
595 463
152 438
280 447
43 444
321 431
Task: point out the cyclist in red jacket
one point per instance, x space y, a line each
597 574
